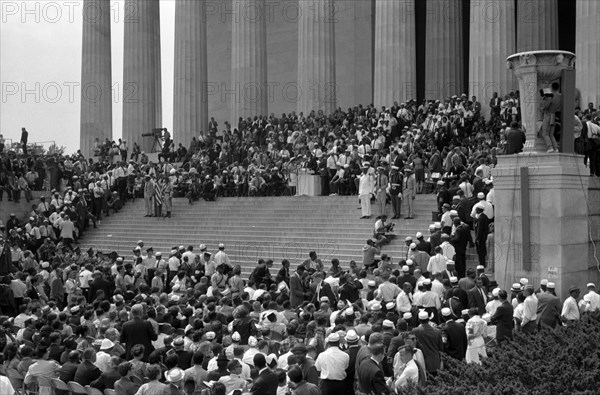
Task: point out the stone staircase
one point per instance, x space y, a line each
263 227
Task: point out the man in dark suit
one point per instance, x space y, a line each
67 371
266 383
297 292
515 139
138 331
108 378
478 296
549 308
456 336
430 340
353 347
460 241
503 318
320 288
370 373
87 371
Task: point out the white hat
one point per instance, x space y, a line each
174 375
524 281
453 279
405 268
202 247
427 282
547 91
324 299
252 342
495 291
221 245
387 324
211 335
140 242
173 252
431 227
351 336
516 287
423 315
464 312
371 283
591 285
412 246
236 337
408 238
349 311
334 337
453 213
481 195
551 285
446 312
544 282
45 265
175 298
410 262
419 235
390 305
376 306
75 309
449 262
480 267
106 344
438 225
407 316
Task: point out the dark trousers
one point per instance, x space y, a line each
332 387
460 260
481 253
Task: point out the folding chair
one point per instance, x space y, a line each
60 387
76 388
44 386
93 391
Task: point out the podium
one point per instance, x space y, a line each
308 183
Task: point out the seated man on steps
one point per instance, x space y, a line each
115 202
383 232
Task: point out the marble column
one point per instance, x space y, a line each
444 49
317 88
395 52
142 104
537 25
190 108
249 59
491 41
96 76
587 49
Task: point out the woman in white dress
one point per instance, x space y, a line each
476 329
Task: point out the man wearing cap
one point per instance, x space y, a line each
454 336
366 187
331 365
548 308
423 245
530 307
395 184
570 310
431 342
103 356
409 191
307 364
352 351
420 258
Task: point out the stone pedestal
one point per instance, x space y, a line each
96 76
492 40
317 88
249 91
190 110
444 49
556 216
536 70
395 52
587 48
537 25
142 104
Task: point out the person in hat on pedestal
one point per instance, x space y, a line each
409 191
549 106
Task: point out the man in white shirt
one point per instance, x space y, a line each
103 356
221 258
437 263
404 300
570 311
528 324
591 299
407 372
366 186
331 365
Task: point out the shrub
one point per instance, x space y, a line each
565 360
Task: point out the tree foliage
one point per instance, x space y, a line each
565 360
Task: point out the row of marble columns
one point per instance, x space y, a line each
495 33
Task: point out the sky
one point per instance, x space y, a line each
40 68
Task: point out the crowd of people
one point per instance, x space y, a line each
187 322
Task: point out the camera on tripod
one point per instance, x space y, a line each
156 133
159 138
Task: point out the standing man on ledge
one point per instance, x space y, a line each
24 135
